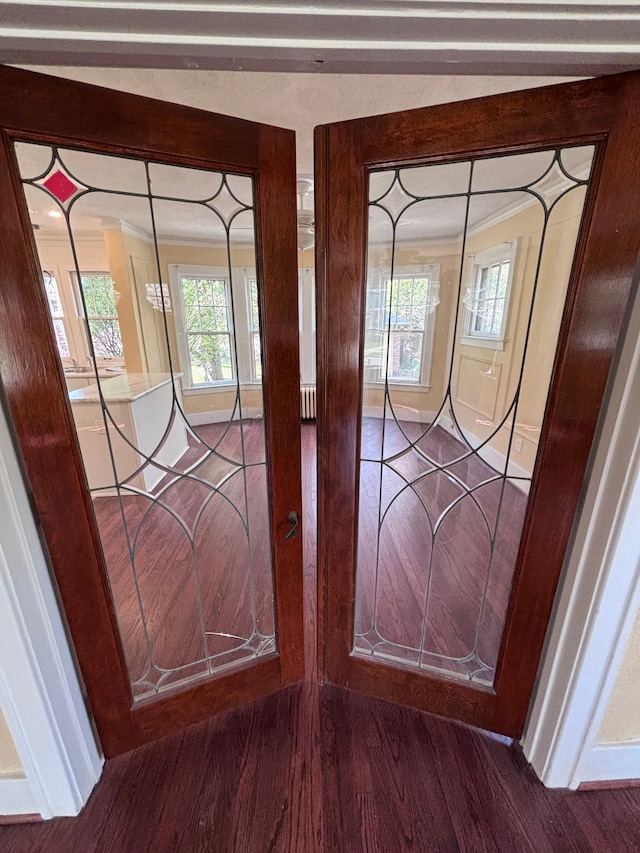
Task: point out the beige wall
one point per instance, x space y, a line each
10 764
128 319
142 269
621 721
485 380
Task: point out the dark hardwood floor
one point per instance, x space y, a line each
318 768
437 578
437 550
204 586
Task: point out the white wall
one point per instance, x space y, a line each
40 697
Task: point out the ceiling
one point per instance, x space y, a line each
557 37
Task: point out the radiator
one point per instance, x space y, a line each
308 402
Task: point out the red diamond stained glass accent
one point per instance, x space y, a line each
60 186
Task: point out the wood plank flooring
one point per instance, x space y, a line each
318 768
437 577
437 550
204 586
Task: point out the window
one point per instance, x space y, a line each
254 329
102 316
57 314
207 329
307 325
487 296
399 325
217 324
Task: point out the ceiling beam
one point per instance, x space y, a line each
372 36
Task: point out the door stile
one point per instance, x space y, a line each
276 204
340 246
321 177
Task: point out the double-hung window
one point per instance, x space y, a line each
204 326
254 328
99 294
400 314
57 314
487 296
217 324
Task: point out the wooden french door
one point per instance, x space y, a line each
474 265
149 358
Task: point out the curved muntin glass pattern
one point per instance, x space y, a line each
468 266
150 274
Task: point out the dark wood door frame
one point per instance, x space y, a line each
34 107
603 111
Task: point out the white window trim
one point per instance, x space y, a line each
240 317
76 318
244 339
415 271
176 273
500 253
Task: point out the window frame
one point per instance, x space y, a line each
60 317
75 279
379 279
250 276
500 253
178 272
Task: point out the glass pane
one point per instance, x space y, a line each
57 313
447 457
150 264
210 358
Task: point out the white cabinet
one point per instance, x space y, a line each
135 424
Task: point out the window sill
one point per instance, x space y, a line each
209 389
398 386
483 343
222 387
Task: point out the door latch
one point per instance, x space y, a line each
293 521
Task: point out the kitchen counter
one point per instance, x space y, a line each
121 389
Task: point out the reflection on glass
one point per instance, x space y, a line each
468 266
150 275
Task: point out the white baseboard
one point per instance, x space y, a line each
610 762
414 416
492 456
16 797
249 412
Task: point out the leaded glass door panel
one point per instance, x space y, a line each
475 261
151 368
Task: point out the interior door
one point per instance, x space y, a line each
474 265
149 357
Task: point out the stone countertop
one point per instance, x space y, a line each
122 389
